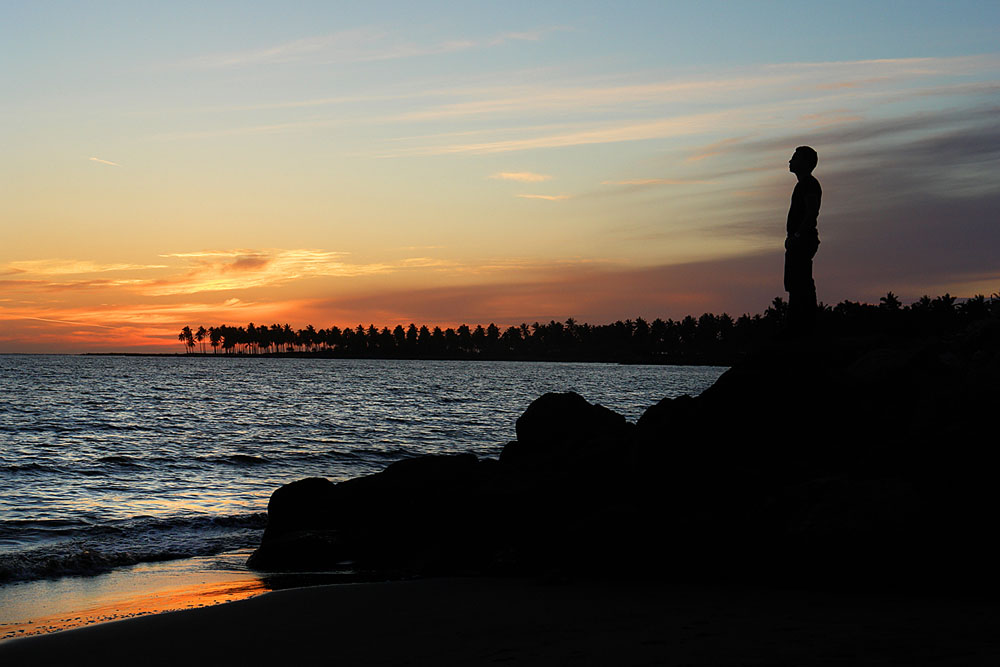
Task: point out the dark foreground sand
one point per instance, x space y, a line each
491 621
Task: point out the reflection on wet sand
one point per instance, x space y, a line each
171 599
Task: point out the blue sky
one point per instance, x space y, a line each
679 34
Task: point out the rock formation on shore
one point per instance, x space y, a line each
825 461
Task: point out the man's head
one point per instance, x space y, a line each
803 160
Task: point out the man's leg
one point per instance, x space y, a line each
807 317
801 292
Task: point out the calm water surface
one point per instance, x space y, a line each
111 461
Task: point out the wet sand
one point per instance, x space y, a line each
49 605
170 599
491 621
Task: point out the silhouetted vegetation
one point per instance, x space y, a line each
708 339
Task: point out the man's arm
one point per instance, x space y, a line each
802 215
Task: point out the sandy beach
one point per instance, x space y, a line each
502 621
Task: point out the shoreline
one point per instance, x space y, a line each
159 602
49 605
45 606
458 621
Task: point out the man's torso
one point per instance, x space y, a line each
804 210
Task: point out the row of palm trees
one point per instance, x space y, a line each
709 338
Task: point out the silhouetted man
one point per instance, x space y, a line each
802 242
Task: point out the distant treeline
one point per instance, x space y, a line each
708 339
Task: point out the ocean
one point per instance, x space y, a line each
111 462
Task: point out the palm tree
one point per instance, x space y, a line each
479 339
199 336
890 302
187 337
777 310
463 339
251 338
411 337
214 338
944 304
492 338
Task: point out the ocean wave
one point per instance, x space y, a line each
51 427
200 522
72 560
17 529
385 453
87 549
124 461
247 459
28 467
348 456
235 459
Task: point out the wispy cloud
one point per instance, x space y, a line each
81 285
601 112
713 149
748 100
656 181
751 82
227 270
356 45
220 270
199 271
606 133
108 162
71 322
545 197
920 65
521 99
251 130
528 35
521 176
831 117
422 247
894 128
427 263
347 44
66 267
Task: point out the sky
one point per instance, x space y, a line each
172 164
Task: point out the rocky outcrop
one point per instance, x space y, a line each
557 428
839 462
416 514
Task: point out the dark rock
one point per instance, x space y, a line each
846 509
301 505
416 514
665 415
565 417
301 551
435 471
559 427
